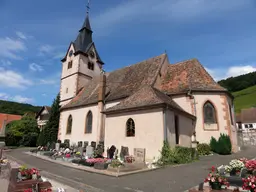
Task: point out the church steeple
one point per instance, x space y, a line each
86 24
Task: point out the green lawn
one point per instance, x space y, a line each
245 98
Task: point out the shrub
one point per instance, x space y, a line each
203 149
177 155
12 140
224 145
214 144
29 140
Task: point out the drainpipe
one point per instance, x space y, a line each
165 124
194 101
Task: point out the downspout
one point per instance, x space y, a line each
165 124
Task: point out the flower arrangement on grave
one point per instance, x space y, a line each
27 174
249 183
129 159
96 160
215 180
68 155
3 161
243 159
250 165
78 153
234 166
115 163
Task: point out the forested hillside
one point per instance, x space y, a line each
17 108
238 83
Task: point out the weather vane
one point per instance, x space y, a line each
88 6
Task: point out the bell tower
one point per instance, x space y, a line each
81 63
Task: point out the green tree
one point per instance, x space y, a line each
50 133
22 132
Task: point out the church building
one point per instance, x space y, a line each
141 105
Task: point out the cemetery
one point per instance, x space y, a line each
92 158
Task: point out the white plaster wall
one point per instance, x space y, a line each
111 104
184 102
78 127
204 132
148 131
75 61
186 128
69 83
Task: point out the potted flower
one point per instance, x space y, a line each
129 159
249 183
236 166
215 180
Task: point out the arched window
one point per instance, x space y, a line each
209 113
231 114
88 126
69 124
130 128
91 65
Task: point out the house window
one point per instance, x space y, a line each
70 64
231 115
250 126
130 128
246 126
69 124
209 113
88 126
91 66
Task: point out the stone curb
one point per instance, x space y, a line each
83 168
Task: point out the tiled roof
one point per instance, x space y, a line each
188 75
146 96
121 83
248 115
7 118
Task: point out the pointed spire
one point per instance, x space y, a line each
87 24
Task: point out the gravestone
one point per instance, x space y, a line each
86 143
89 151
67 142
124 152
57 146
80 144
48 146
243 172
112 151
93 144
53 145
139 154
81 150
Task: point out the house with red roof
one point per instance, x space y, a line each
246 120
7 118
141 105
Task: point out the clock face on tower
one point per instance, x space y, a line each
92 55
70 53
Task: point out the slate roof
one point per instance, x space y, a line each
121 83
188 75
7 118
248 115
84 40
146 96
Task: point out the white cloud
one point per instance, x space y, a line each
233 71
6 63
22 99
135 11
44 94
47 81
21 35
9 78
4 96
240 70
9 48
35 67
46 49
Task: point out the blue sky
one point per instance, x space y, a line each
35 35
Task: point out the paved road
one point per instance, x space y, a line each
169 179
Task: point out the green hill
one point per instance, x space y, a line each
245 98
17 108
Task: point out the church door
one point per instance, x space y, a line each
177 132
